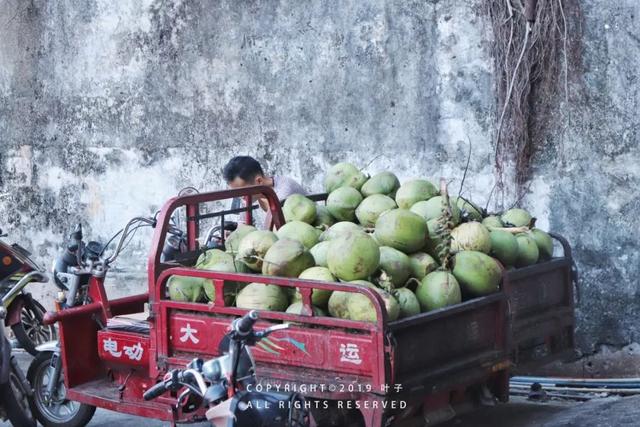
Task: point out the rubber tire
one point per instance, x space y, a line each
21 334
83 416
14 411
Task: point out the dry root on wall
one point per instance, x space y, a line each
532 77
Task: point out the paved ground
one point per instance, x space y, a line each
610 412
103 418
604 412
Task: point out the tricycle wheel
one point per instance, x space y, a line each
55 411
30 332
15 402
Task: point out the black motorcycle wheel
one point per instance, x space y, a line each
30 332
15 402
58 411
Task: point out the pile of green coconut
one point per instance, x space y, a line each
411 243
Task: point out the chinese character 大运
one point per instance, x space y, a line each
134 352
350 353
189 334
111 346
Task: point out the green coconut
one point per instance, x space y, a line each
432 209
370 209
259 296
477 272
304 233
225 258
185 288
286 258
528 252
396 265
343 175
414 191
353 256
319 253
343 202
409 304
504 246
492 221
254 247
361 308
422 264
212 257
382 183
516 217
468 210
337 304
544 242
231 288
339 229
470 236
232 242
401 229
324 219
438 289
298 208
296 308
319 297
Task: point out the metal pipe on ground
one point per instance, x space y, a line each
623 383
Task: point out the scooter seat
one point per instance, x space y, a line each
126 324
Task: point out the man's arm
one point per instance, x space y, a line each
237 203
268 221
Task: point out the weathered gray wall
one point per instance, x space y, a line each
107 110
591 175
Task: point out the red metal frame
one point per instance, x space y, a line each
435 353
192 202
166 308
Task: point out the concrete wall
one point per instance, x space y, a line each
106 111
590 174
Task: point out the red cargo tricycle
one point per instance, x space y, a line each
112 352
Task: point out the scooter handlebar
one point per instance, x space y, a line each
244 325
155 391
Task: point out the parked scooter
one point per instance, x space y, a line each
225 385
14 388
24 313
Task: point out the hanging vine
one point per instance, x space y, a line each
530 59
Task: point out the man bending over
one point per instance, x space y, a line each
242 171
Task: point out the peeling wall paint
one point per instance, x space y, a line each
107 111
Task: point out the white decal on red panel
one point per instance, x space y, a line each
189 334
111 346
350 353
134 352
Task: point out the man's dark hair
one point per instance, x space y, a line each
244 167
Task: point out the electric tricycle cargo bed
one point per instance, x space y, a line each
378 373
